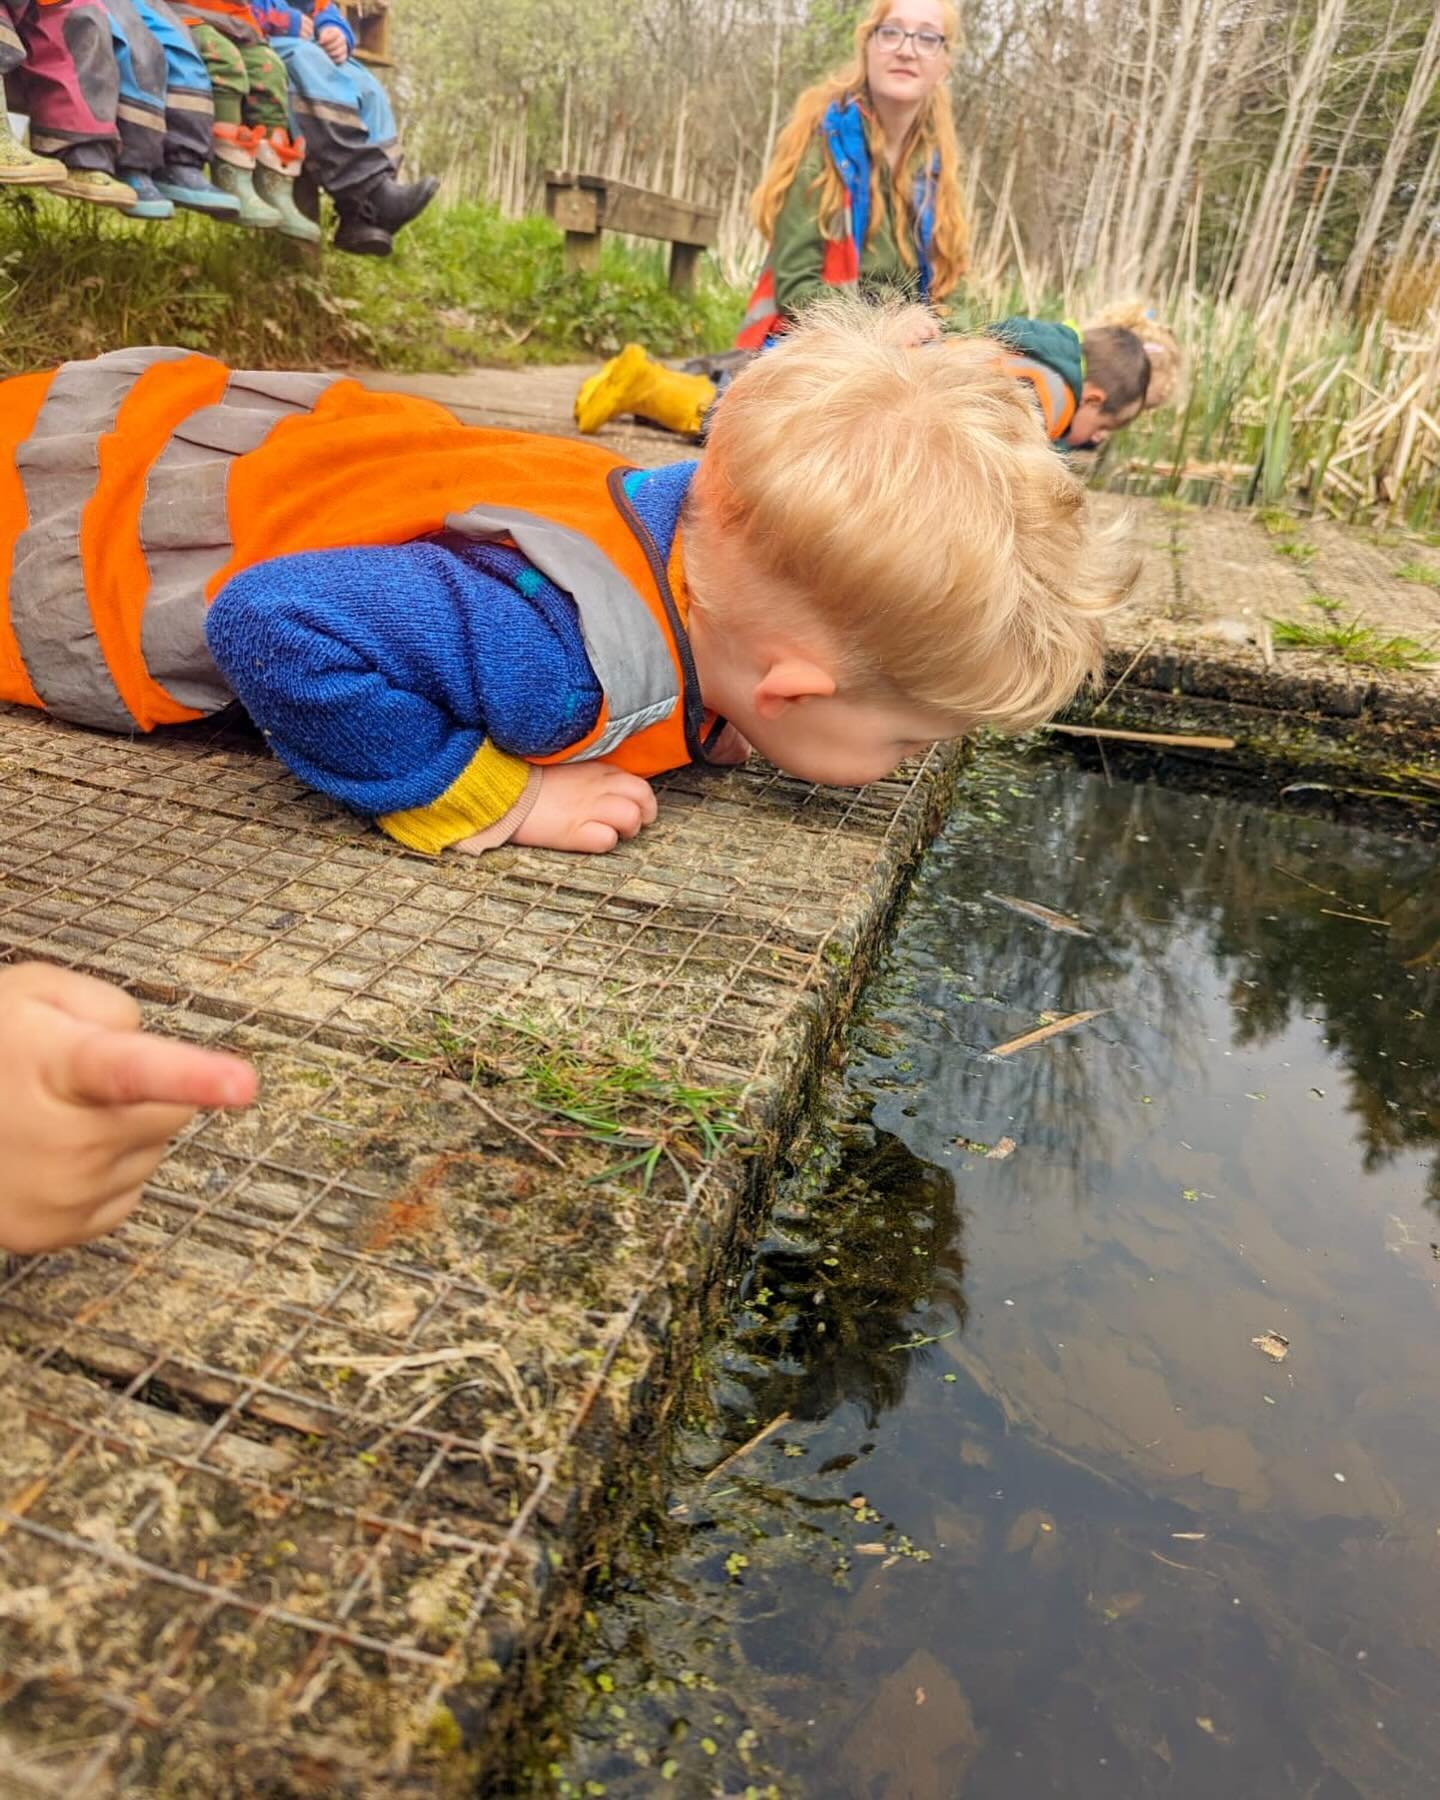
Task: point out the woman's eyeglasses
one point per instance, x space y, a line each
891 37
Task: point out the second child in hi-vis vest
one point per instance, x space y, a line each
1090 383
475 636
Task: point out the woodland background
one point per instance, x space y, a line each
1265 173
1243 146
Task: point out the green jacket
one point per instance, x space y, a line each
798 251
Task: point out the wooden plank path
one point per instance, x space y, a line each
300 1467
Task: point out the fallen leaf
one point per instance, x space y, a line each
871 1549
1006 1147
1206 1725
1272 1344
919 1696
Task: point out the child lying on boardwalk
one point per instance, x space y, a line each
1087 384
475 636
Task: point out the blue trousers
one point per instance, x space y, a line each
343 113
140 114
189 103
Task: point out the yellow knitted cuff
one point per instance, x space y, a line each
482 793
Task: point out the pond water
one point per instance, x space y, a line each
1035 1515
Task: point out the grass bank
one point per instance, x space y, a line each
464 286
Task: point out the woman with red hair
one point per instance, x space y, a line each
862 191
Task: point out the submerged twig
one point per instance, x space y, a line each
1053 1029
1043 915
749 1445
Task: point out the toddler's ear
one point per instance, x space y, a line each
789 679
1090 393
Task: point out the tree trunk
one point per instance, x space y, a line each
1422 81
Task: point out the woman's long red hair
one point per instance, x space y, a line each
932 134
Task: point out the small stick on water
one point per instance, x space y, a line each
1314 886
1129 671
1359 918
1053 1029
1175 740
509 1125
749 1445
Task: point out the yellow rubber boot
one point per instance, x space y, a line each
633 382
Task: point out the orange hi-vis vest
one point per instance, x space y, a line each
1053 394
134 486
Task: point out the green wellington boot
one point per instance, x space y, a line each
278 161
20 166
234 173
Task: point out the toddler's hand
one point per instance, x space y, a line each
587 806
333 42
88 1103
307 26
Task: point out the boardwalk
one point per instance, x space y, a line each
301 1462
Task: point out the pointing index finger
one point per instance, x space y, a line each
130 1068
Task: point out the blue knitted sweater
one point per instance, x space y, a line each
377 673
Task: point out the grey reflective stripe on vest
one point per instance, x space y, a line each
185 526
59 463
765 307
627 649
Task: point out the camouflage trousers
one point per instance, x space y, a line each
248 79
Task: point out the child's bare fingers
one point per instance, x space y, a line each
133 1166
621 812
594 839
112 1213
34 1231
636 788
79 996
128 1068
99 1219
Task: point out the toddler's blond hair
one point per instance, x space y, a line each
1162 348
907 491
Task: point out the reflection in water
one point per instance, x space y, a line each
1064 1531
837 1286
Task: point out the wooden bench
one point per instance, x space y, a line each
370 21
584 206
